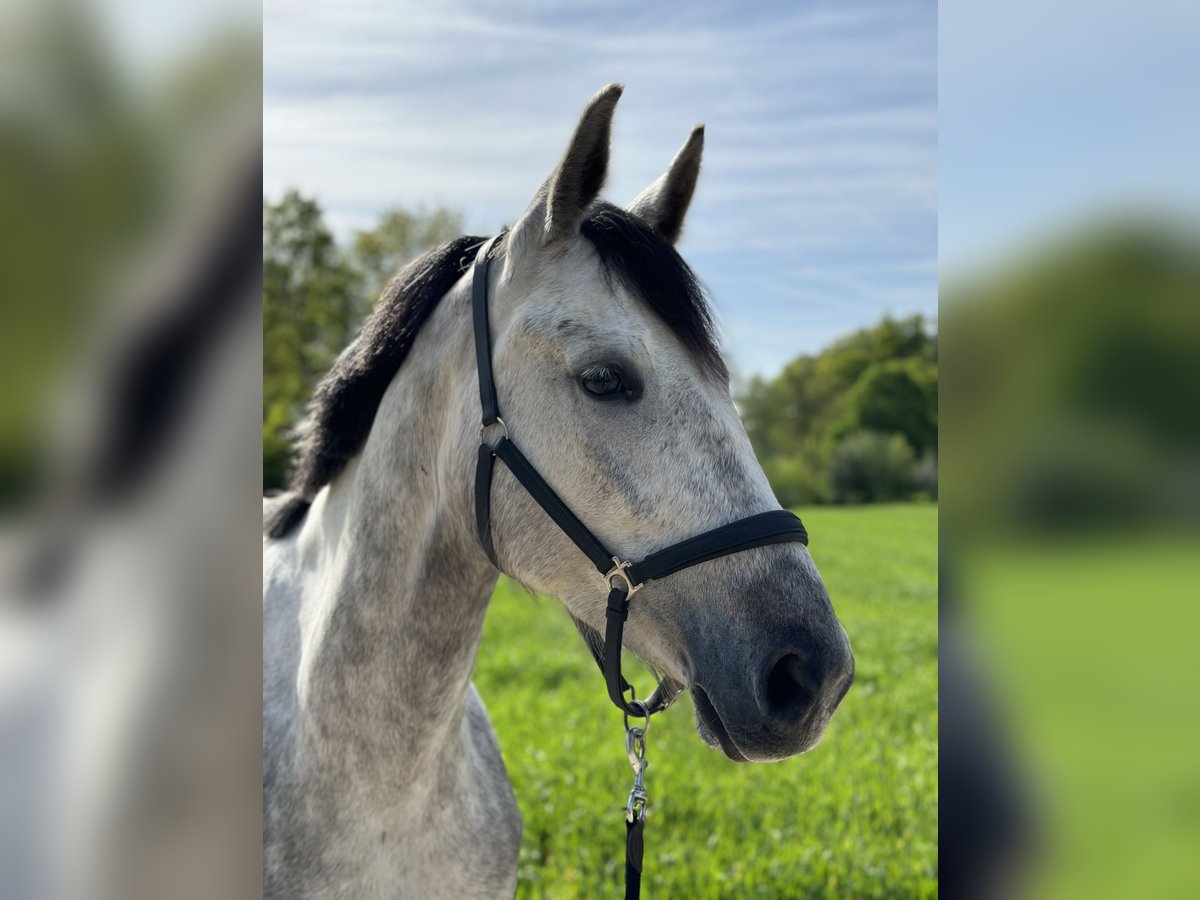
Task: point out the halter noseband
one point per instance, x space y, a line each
623 578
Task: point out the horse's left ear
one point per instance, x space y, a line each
664 204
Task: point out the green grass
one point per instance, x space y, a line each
1089 644
857 816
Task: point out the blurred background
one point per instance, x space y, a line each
130 376
1070 321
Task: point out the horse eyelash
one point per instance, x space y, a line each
604 372
632 384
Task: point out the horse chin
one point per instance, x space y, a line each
710 727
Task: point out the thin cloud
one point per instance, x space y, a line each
821 145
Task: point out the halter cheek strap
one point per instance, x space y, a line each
623 578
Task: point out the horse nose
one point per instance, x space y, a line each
801 678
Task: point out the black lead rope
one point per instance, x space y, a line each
633 857
623 578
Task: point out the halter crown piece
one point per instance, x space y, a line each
622 577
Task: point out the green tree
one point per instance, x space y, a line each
894 396
882 380
1075 399
315 295
870 467
309 310
400 237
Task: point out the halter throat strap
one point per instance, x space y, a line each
622 577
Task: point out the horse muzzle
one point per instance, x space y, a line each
785 707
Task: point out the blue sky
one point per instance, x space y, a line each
1057 114
817 208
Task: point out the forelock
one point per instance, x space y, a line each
632 252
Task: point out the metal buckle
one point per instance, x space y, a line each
621 570
499 421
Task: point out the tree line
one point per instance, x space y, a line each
854 423
316 294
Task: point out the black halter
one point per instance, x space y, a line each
622 578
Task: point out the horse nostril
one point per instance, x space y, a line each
791 688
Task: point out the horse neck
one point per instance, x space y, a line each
400 586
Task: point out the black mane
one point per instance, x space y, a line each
653 270
344 404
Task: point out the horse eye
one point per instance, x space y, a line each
605 382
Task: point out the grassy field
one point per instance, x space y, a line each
1098 700
857 816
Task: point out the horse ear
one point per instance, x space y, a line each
664 204
560 204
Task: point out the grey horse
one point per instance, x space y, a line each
382 775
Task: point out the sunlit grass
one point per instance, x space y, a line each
857 816
1090 645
